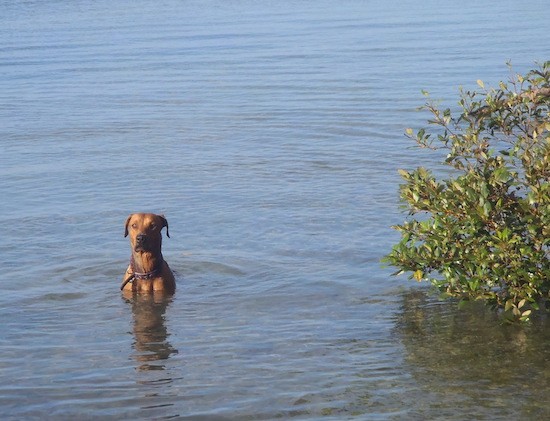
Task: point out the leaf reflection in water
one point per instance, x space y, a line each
468 358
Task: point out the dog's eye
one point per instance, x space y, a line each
134 225
153 226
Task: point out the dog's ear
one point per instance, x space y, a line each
164 224
126 225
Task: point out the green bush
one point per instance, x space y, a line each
484 231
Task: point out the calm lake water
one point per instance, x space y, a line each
269 134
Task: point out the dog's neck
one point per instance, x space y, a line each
146 264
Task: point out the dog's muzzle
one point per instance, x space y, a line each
141 242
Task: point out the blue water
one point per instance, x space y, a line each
269 134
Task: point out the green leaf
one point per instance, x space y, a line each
502 175
487 207
405 174
509 305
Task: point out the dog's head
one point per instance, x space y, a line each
145 231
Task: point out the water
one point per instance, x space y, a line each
269 134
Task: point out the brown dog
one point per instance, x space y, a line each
148 271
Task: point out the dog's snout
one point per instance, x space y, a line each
140 238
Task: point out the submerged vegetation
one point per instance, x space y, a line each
483 233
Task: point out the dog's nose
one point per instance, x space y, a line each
140 238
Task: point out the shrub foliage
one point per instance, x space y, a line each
484 232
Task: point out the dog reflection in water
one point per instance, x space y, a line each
151 336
